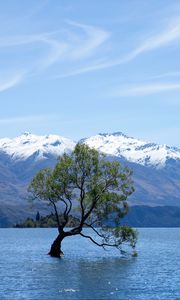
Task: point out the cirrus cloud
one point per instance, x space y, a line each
57 46
144 89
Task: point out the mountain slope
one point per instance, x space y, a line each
20 159
40 147
159 216
156 169
133 150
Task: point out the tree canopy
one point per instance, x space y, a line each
86 184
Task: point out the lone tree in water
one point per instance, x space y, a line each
94 188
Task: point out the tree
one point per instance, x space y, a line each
38 216
95 189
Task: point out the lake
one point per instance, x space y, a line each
88 272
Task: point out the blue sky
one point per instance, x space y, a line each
77 68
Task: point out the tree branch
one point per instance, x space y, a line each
65 215
56 213
82 195
98 244
94 202
69 199
95 230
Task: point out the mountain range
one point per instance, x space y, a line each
156 169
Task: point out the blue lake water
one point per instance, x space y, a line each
88 272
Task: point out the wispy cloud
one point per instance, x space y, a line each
145 89
19 40
94 38
167 75
164 38
83 70
86 41
73 50
11 82
58 45
26 119
57 50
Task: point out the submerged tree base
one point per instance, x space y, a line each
57 254
55 250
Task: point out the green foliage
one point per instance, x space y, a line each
28 223
98 189
48 221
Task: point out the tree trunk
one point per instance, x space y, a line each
55 250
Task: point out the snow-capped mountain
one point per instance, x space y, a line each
156 169
115 144
133 150
26 145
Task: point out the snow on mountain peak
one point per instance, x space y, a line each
27 144
118 133
134 150
116 144
26 133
